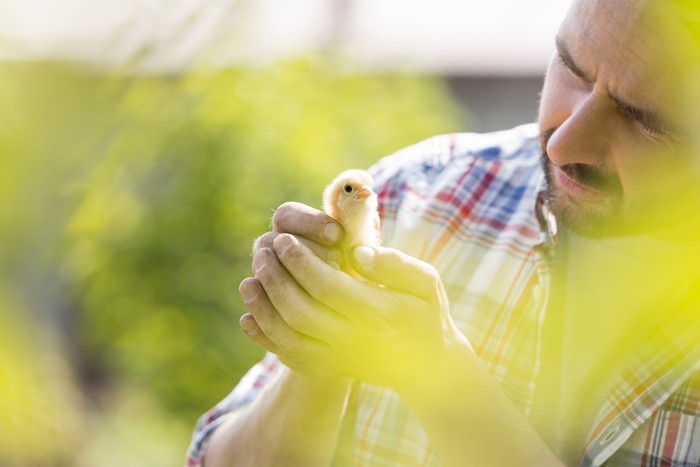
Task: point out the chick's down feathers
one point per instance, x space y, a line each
349 199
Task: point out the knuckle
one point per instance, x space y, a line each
320 289
282 215
290 346
297 252
298 321
261 315
271 283
264 241
261 261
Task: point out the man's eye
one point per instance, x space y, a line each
348 188
648 129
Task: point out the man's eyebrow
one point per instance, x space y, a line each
568 61
647 118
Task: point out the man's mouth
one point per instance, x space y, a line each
577 189
583 182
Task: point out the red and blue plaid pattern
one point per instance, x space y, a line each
472 206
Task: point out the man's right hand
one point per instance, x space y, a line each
316 229
321 234
296 417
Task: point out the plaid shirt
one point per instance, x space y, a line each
472 205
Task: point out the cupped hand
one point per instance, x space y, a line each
387 330
317 230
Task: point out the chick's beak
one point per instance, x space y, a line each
363 192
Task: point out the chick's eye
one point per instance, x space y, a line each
347 188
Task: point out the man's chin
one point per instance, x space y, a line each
612 221
601 218
588 220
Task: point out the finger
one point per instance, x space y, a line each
273 333
252 330
397 270
329 286
326 253
254 298
305 221
297 308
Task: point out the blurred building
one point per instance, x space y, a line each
493 53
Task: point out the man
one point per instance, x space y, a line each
558 323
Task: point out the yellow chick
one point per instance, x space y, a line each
349 199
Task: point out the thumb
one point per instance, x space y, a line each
396 270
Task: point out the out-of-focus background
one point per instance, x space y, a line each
143 146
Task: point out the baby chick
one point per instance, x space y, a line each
349 199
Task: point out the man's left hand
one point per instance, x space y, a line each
388 330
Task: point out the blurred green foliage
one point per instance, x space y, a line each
131 206
40 422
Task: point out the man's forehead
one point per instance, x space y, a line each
643 48
666 28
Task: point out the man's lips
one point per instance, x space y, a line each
576 189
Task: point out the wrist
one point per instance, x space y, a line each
318 386
451 370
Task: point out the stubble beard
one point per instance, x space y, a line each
591 219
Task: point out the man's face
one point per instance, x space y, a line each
615 134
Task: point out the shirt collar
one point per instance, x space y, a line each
547 239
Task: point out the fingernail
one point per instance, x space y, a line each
259 260
364 256
281 244
248 292
331 232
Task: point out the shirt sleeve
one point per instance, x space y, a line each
263 373
250 386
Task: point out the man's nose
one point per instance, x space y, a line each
583 137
